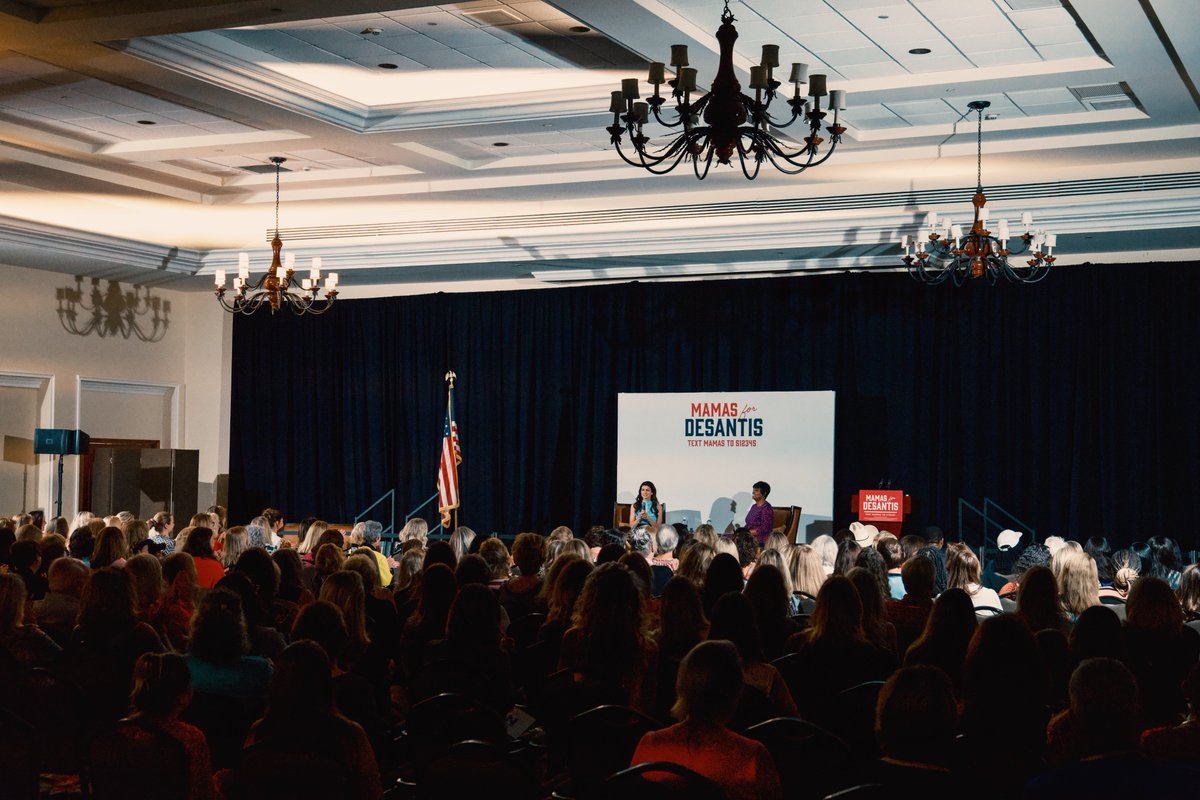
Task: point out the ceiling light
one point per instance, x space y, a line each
724 122
920 51
146 122
370 31
387 65
276 288
579 29
947 253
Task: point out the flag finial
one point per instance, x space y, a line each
450 376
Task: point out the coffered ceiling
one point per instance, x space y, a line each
464 145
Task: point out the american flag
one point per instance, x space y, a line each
447 481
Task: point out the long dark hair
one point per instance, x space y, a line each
637 502
199 543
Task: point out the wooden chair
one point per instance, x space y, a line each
786 519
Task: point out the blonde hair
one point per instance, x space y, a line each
777 540
805 570
706 534
415 528
576 547
315 529
826 548
236 542
1078 580
726 545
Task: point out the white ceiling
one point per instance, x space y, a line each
133 143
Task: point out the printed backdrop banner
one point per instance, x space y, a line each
704 452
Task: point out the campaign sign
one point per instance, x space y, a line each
881 505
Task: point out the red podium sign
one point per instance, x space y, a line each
881 505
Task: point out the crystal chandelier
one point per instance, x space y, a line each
277 288
724 122
947 253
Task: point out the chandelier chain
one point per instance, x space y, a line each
277 198
979 150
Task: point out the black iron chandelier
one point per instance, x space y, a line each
724 123
945 253
277 288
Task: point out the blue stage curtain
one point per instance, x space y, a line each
1072 402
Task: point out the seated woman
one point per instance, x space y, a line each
963 572
646 511
26 644
199 546
707 691
303 728
607 648
106 644
219 643
162 689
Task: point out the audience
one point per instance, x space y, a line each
1088 680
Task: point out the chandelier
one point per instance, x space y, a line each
724 122
277 288
947 253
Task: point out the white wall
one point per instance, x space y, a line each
177 387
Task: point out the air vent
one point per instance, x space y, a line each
1104 90
1104 96
488 17
1109 105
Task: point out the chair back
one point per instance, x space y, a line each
660 780
475 769
786 519
811 761
602 741
852 717
446 719
523 631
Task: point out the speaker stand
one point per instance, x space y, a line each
58 504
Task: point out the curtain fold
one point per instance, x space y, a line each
1070 402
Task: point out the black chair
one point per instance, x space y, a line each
675 782
225 721
531 666
475 769
443 720
18 758
523 631
988 611
864 791
135 761
811 761
52 708
601 741
852 717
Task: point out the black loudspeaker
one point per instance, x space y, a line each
145 482
59 441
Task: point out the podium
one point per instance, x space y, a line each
883 508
